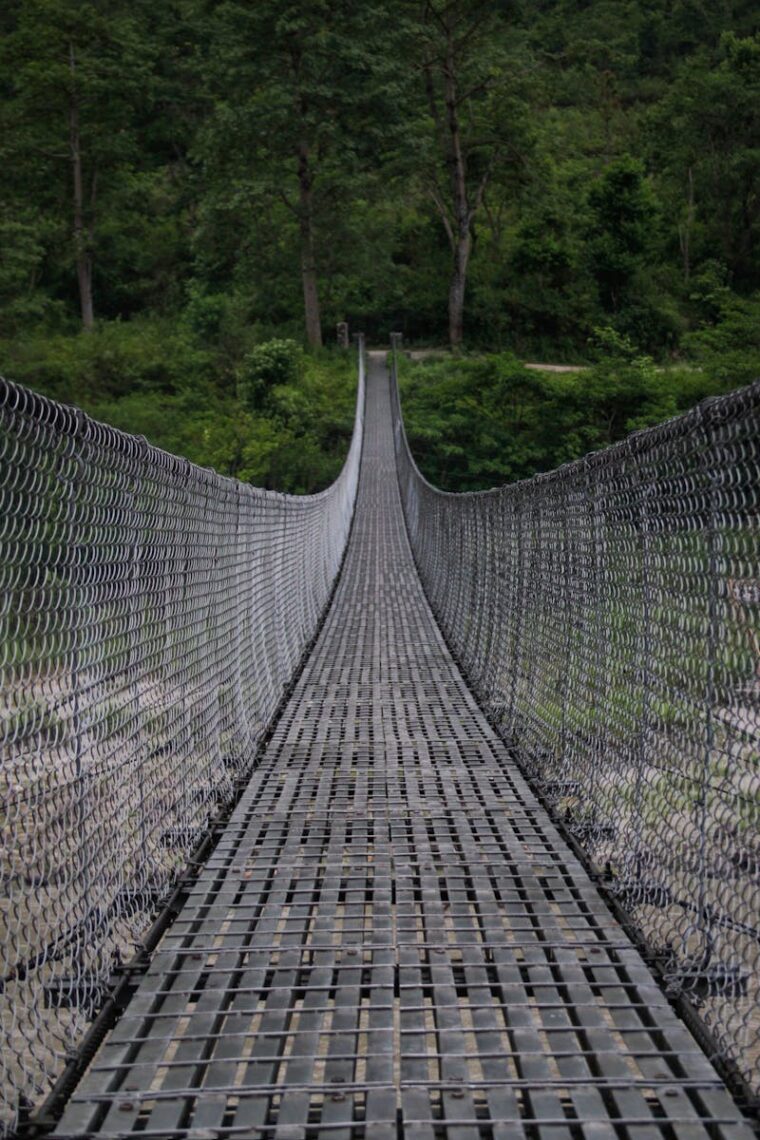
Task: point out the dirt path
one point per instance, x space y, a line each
443 354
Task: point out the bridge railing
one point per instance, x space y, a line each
152 616
608 616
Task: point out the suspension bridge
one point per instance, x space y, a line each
382 812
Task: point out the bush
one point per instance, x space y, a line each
471 422
273 363
116 359
289 430
481 421
728 347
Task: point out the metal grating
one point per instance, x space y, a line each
391 938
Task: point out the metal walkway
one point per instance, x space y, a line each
391 938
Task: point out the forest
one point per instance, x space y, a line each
194 193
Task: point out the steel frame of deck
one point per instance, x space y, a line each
391 937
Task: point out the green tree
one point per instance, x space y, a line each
705 139
475 129
276 362
75 76
620 236
303 102
228 169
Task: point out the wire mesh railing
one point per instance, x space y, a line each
608 617
152 616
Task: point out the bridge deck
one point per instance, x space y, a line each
391 938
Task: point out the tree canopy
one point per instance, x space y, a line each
188 181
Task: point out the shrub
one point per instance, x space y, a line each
268 365
728 347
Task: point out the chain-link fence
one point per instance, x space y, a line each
608 616
152 616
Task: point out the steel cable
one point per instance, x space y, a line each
152 614
608 617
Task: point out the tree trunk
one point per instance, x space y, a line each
454 25
460 233
81 243
308 260
456 290
684 234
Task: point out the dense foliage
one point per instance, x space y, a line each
482 421
288 429
189 181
